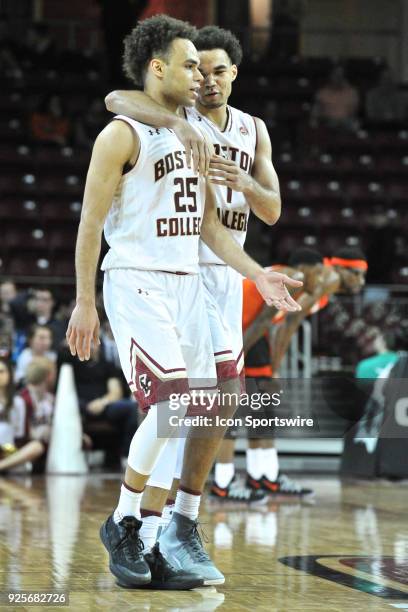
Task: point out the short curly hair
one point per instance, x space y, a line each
213 37
152 38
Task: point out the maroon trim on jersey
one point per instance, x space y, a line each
128 167
185 114
226 370
228 125
256 134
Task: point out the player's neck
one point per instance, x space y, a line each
161 98
219 116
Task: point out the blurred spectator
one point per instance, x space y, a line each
89 124
36 423
9 53
385 102
116 24
50 124
36 306
101 398
383 348
40 46
39 345
110 350
12 410
337 102
6 337
285 33
8 293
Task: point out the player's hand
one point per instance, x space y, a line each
197 148
83 328
227 172
272 287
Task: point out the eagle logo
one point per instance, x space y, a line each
145 384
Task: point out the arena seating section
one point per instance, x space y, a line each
337 189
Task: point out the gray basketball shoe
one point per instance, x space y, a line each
181 544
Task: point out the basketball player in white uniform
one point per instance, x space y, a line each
245 179
152 205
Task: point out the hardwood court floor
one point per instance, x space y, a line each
347 551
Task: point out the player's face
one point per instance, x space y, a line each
181 77
218 73
352 279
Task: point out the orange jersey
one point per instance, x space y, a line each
257 364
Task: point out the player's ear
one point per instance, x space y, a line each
234 70
157 67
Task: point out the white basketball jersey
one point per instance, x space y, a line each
238 143
155 218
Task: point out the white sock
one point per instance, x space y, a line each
270 463
166 516
254 464
129 504
148 531
224 473
187 504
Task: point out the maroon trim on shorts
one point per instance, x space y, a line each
223 353
170 502
158 366
148 388
226 370
144 513
129 488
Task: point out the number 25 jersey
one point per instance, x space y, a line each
155 218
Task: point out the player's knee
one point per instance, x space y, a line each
229 394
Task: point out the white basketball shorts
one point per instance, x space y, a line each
223 297
160 325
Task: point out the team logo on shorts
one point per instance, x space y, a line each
145 384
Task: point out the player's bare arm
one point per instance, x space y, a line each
261 189
140 106
260 326
329 284
113 148
271 285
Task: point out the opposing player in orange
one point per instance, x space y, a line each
150 204
264 352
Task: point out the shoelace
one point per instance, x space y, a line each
196 543
133 545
